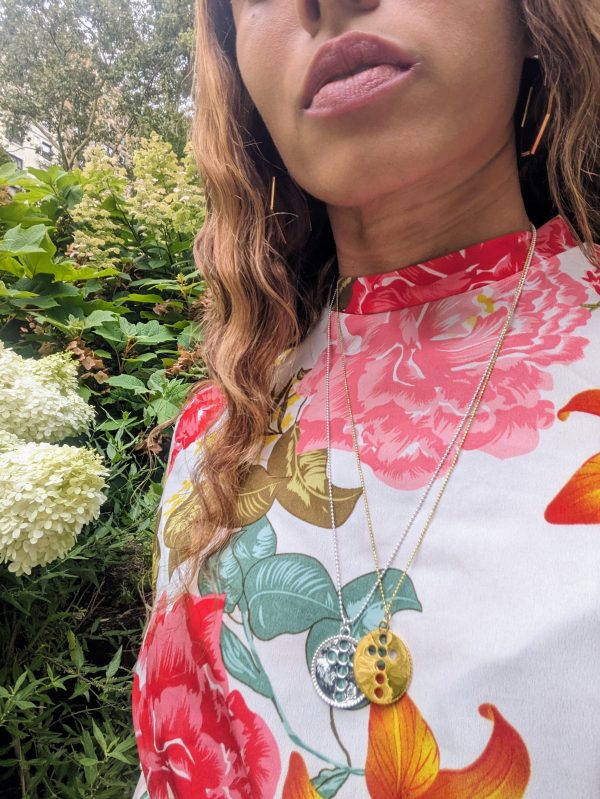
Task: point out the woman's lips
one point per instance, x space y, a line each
357 90
352 69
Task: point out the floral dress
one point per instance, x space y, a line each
501 608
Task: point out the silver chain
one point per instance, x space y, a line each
347 622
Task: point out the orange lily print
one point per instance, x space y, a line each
403 761
578 502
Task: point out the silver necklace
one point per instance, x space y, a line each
332 667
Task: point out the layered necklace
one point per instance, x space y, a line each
346 672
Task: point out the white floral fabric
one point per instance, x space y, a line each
501 607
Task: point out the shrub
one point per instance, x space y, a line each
95 264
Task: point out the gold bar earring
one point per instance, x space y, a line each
272 200
543 126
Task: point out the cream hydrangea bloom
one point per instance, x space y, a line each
39 398
97 238
48 492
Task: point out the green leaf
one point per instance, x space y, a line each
140 298
158 381
98 735
288 594
329 780
114 664
143 357
12 266
128 382
88 761
81 689
23 704
190 335
75 650
96 318
145 332
9 173
162 409
117 755
15 214
19 240
88 744
110 331
67 272
6 292
240 664
48 176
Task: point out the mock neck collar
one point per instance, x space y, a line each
470 268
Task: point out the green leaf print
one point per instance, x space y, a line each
240 664
329 781
288 594
355 592
222 575
256 542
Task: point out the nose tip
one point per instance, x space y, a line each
313 13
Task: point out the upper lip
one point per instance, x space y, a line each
346 54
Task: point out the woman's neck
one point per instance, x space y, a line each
426 220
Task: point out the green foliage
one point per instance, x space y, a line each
100 266
95 70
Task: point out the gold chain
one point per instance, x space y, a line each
468 422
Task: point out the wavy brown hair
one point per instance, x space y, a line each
267 272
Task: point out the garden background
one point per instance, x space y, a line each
95 263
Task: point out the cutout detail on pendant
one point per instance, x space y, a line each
382 666
332 672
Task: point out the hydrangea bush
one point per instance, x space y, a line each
97 293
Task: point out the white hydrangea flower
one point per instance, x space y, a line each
48 492
39 398
9 441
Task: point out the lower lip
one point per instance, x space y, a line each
355 91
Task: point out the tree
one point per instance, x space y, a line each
101 71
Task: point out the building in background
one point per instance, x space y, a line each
35 149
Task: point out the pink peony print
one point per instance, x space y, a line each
470 268
593 278
195 737
412 372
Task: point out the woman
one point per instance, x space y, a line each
399 249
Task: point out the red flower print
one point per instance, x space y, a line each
593 278
196 738
413 372
198 413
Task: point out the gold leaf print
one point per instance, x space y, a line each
257 495
155 549
283 454
305 494
178 531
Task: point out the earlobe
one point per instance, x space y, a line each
530 49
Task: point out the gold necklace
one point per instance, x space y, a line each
381 661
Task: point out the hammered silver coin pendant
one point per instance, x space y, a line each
332 672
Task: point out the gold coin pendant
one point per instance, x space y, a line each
382 666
